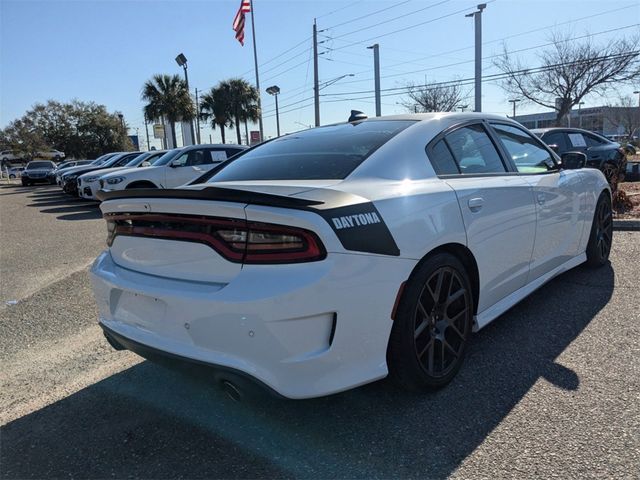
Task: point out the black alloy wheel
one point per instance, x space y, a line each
430 336
610 172
601 237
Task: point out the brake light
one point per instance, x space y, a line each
236 240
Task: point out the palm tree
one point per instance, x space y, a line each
239 101
167 98
214 107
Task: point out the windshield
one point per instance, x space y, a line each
167 157
35 165
135 161
102 159
324 153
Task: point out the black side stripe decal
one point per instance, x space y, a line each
360 228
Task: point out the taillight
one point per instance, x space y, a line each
236 240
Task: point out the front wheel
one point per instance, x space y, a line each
601 236
433 325
12 176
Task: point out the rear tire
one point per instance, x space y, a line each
433 325
601 235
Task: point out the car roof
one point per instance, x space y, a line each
209 145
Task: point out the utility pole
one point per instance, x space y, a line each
146 127
316 88
376 68
514 101
197 117
477 16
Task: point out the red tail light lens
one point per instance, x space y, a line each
236 240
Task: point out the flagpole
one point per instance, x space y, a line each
255 59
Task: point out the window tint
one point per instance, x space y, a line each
330 152
524 150
593 141
556 138
442 160
198 157
474 151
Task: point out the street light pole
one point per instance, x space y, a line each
146 127
477 16
637 92
514 101
197 118
580 114
181 60
376 68
275 91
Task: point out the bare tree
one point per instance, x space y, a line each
570 70
625 113
434 97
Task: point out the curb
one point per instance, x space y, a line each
626 225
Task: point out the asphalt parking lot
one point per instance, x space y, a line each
551 389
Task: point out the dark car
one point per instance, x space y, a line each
601 153
70 179
37 172
61 166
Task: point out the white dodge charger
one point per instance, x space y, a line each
329 258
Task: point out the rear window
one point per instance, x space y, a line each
331 152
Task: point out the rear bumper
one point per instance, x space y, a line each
218 372
304 330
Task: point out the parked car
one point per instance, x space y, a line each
36 171
15 172
69 180
176 167
61 166
331 257
11 155
89 184
51 154
98 161
602 153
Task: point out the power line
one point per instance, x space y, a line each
484 43
391 19
463 62
341 8
492 77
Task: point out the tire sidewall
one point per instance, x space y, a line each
408 368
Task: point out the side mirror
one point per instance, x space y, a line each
573 160
174 165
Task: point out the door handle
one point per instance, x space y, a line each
475 204
541 198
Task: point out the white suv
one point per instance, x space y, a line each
173 169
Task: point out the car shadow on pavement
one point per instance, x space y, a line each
72 208
152 422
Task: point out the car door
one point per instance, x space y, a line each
496 205
558 198
187 166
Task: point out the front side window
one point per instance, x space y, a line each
198 157
324 153
524 150
474 151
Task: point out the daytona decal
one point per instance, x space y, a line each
355 220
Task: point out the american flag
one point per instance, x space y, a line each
238 21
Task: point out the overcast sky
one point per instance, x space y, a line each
105 50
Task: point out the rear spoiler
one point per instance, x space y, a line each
210 193
355 220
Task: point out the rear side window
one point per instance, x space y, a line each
576 140
524 150
474 151
219 155
324 153
557 139
442 160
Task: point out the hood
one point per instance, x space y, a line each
128 171
102 171
81 170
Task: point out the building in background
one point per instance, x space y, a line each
605 120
